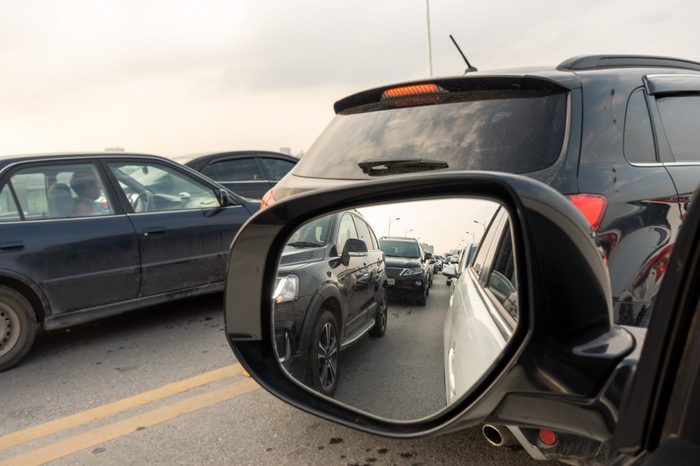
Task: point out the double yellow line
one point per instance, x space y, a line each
126 426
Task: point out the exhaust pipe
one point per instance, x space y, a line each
498 436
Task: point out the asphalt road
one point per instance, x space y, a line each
160 386
400 375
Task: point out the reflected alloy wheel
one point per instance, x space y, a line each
324 364
380 319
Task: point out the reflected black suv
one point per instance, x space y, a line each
408 268
617 134
330 291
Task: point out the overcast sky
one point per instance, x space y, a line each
173 77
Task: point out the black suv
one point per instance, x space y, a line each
408 268
617 134
330 291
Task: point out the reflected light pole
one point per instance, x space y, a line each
483 224
392 220
406 232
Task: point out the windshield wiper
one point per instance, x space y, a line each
379 167
304 244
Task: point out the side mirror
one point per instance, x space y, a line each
450 271
429 256
548 355
224 197
353 248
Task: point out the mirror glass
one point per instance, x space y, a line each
397 309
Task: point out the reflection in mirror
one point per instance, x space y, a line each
397 309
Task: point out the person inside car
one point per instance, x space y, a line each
86 186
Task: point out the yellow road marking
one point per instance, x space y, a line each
130 425
110 409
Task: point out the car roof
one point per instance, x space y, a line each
399 238
6 160
204 157
566 75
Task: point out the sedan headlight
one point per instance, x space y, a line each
286 289
412 271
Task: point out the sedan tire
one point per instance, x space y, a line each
17 327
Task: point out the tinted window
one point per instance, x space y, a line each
512 131
60 191
8 208
276 168
407 249
156 188
363 232
639 140
680 117
346 230
234 170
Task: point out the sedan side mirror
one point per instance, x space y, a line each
225 199
450 271
353 248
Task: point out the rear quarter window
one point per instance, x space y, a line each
680 116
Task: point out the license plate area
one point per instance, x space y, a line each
390 281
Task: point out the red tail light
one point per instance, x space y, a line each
592 206
268 199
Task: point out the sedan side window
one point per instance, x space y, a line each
151 187
234 170
60 191
346 230
8 208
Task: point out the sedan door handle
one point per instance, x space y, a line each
11 247
156 231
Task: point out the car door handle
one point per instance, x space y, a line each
11 247
156 231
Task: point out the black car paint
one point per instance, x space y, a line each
559 360
645 202
407 283
75 270
254 189
353 288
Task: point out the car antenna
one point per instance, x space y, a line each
470 68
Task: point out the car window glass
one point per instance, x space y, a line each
60 191
392 248
277 168
680 117
639 140
502 279
480 264
155 188
516 131
311 234
346 230
8 208
363 232
236 170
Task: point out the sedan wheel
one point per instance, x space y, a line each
17 327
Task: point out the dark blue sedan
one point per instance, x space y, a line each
86 236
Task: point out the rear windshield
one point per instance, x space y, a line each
511 131
399 248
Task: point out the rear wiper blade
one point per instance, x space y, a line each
379 167
304 244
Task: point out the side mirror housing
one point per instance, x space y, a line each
353 248
450 271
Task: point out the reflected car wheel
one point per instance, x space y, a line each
381 318
325 352
423 298
17 327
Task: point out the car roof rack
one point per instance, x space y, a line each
592 62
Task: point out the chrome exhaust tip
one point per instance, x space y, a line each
497 436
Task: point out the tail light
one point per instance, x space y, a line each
268 199
592 206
